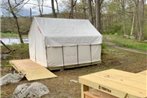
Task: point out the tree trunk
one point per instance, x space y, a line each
6 46
84 9
53 9
57 6
123 17
16 20
73 4
141 19
98 14
132 27
40 6
90 12
71 9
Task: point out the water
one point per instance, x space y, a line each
10 41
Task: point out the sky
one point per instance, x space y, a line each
33 4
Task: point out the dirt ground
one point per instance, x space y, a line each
63 87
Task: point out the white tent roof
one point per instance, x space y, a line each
59 31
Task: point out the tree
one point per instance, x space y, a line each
40 6
123 4
13 10
84 8
57 6
139 19
98 4
53 9
90 11
73 4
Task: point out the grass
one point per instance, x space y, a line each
20 51
10 35
128 43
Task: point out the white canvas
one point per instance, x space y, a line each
70 55
32 41
60 32
84 54
96 53
47 36
54 56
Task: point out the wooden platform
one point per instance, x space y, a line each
143 72
32 70
117 83
73 66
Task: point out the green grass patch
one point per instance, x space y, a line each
11 35
20 51
124 42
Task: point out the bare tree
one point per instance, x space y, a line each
132 25
90 11
73 4
98 4
53 9
123 4
40 6
57 6
84 8
139 19
12 11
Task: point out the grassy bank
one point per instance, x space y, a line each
20 51
128 43
11 35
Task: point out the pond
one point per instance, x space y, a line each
10 41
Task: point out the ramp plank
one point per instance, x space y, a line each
32 70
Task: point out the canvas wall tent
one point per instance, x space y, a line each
61 42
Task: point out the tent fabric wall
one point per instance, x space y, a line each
32 41
54 56
62 42
63 32
96 53
84 54
37 45
71 55
40 49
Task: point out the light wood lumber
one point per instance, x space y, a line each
117 83
32 70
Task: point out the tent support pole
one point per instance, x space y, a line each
62 68
46 56
91 53
78 54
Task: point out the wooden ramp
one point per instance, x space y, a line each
32 70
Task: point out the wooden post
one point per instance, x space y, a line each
83 89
